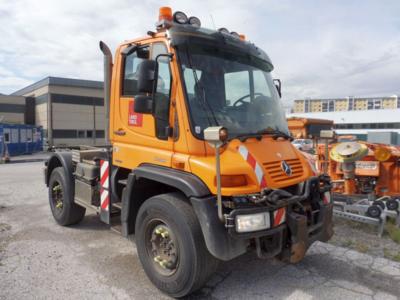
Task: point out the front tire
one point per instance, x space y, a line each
171 245
62 205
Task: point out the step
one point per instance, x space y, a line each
117 205
123 181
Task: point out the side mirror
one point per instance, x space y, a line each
278 85
143 104
147 74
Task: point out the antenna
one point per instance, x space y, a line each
212 21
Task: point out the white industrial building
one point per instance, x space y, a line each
70 111
382 117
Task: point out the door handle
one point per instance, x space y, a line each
120 132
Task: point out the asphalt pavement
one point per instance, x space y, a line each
41 260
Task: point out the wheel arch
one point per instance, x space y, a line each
60 159
149 180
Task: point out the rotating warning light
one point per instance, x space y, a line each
165 13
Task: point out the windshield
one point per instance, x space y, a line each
230 88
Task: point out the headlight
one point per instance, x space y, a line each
194 21
253 222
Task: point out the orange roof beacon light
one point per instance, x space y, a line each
242 37
165 13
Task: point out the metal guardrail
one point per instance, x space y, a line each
356 212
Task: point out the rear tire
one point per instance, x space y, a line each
374 211
62 205
189 265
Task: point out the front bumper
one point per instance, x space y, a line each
289 240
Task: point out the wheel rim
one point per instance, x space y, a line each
57 197
162 247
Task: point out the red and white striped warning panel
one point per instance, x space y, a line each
327 198
247 156
279 216
104 182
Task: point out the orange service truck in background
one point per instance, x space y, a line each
197 162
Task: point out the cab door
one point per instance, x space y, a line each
142 138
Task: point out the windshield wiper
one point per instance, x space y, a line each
245 136
276 133
258 135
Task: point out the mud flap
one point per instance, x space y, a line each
298 227
302 236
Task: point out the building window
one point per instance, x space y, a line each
331 105
306 106
324 106
350 103
89 133
81 134
374 104
14 135
7 137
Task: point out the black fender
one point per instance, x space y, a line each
190 185
60 159
218 241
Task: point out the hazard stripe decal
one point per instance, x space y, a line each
104 182
247 156
279 216
326 198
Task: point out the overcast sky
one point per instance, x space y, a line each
319 48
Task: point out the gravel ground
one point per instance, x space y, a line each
364 238
41 260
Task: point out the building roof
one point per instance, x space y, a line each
354 116
60 81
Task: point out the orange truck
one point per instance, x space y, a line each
308 128
197 163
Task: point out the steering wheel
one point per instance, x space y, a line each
240 100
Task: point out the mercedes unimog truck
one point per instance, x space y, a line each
197 163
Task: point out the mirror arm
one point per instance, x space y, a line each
278 86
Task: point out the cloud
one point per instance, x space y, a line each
319 49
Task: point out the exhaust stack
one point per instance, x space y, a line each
108 64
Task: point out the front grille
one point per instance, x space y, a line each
275 171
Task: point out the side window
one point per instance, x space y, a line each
236 86
164 74
6 137
163 90
131 64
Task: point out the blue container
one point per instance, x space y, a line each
18 139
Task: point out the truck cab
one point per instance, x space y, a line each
198 163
